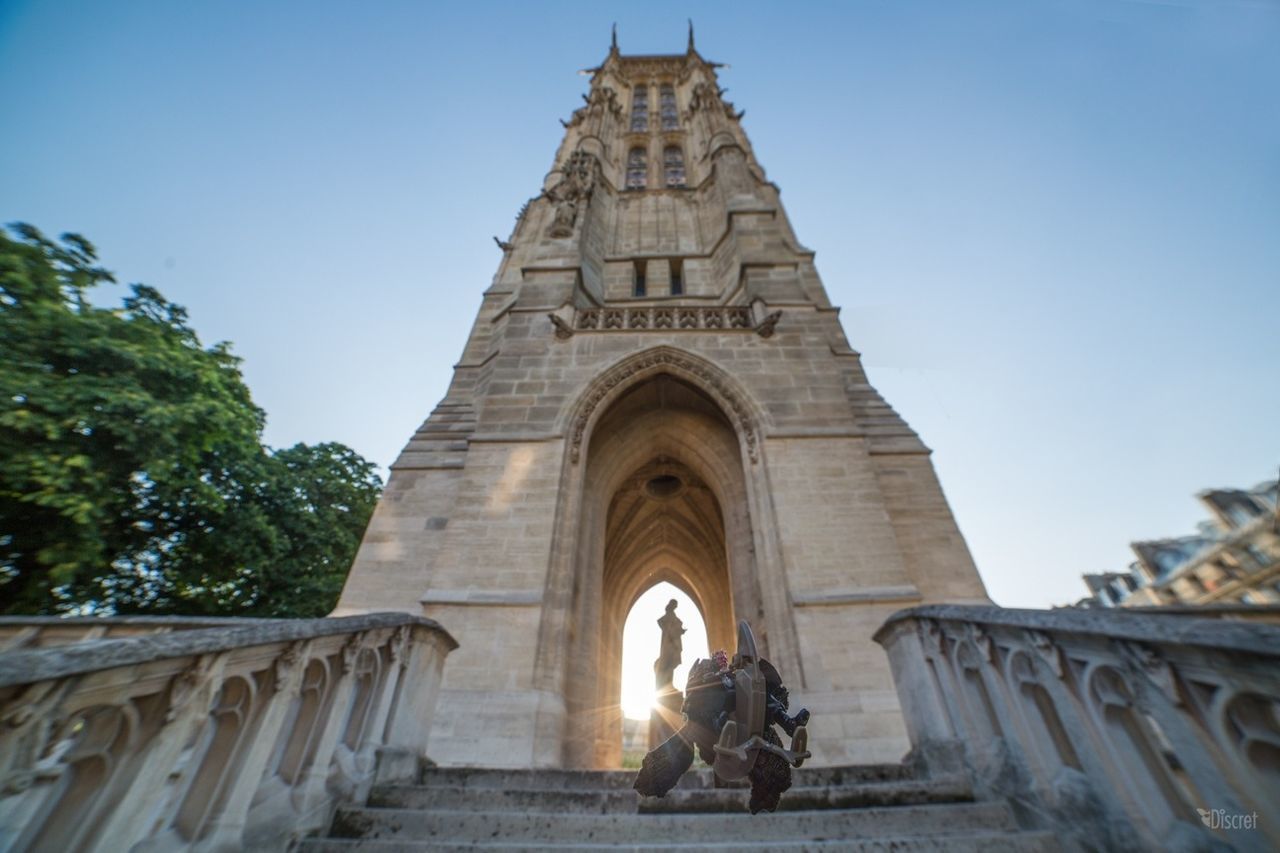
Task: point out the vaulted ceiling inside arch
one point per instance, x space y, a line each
664 523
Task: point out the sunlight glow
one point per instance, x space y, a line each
641 639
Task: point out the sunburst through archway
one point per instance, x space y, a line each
641 640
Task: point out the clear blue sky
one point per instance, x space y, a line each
1054 227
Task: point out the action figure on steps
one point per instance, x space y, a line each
730 709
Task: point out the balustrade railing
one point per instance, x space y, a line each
222 735
37 632
1120 731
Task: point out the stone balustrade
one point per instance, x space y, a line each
37 632
206 734
1119 731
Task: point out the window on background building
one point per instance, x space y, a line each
677 277
667 107
640 108
673 166
1242 513
638 284
1259 556
637 169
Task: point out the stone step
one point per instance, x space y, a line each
976 842
596 780
679 800
546 829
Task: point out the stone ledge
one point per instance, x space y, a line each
865 595
482 597
140 621
1217 634
25 667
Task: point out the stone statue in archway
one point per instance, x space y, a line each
669 653
665 718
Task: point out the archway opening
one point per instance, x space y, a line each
664 500
641 643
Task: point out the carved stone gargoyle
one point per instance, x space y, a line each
767 325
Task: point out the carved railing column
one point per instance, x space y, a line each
328 771
227 827
27 722
410 724
191 694
927 717
373 745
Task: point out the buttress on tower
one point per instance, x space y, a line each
657 388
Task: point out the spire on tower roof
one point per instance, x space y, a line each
613 45
691 35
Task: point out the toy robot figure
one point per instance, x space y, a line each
730 710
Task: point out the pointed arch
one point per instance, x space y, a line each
746 415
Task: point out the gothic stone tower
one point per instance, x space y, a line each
657 388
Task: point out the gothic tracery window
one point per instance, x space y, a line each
637 169
667 107
673 166
640 108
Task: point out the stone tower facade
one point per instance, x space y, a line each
657 388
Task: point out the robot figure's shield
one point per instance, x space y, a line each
740 740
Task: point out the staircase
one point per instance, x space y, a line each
867 807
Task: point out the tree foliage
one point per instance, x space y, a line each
133 478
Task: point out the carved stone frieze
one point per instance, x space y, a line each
286 663
1109 687
734 317
982 642
187 684
1044 646
739 410
350 651
967 655
400 644
931 639
634 69
1143 659
16 713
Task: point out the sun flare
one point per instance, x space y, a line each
641 639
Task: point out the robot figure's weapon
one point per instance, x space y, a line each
741 738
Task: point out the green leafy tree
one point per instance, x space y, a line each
319 498
132 473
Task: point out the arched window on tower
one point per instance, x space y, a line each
667 107
640 108
637 169
673 166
